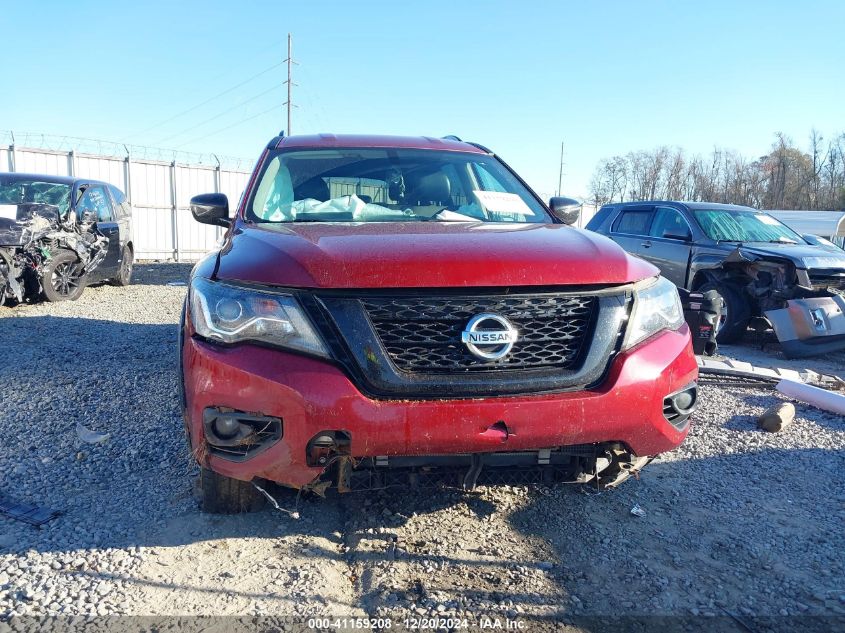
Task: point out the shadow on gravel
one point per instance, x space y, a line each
734 534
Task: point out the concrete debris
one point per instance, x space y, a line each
777 417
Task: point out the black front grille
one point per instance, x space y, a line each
423 334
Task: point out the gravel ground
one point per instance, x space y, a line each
737 521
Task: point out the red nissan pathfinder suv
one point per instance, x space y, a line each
387 310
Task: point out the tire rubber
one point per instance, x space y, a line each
223 495
739 312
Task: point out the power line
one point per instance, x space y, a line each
228 127
217 116
210 99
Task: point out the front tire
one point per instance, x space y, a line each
733 321
62 278
224 495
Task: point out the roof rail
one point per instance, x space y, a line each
481 147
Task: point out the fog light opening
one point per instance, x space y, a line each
679 406
238 435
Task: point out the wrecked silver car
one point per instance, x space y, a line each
59 234
758 266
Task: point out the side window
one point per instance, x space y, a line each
635 222
95 199
121 206
669 222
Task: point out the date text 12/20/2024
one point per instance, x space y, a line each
417 623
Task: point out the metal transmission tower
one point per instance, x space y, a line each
560 177
290 62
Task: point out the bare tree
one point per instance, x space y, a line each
785 178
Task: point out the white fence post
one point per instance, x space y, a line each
71 163
12 155
127 176
174 218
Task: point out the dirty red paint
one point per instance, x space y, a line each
426 254
311 396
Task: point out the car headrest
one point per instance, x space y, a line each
433 188
314 188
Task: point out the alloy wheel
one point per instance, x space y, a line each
66 278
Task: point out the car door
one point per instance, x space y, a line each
95 199
669 244
630 228
122 214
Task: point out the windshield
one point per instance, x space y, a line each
729 225
389 185
20 191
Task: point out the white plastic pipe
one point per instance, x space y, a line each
821 398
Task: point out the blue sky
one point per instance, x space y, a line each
519 77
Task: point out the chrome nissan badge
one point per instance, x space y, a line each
489 336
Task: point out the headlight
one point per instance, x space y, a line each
657 307
232 314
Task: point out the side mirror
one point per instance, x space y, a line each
567 210
677 234
88 216
211 208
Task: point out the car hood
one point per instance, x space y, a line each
431 254
807 256
18 222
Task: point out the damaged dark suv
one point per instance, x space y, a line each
59 234
759 267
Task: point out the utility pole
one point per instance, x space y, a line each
560 177
289 82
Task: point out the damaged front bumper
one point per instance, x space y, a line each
306 416
812 326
